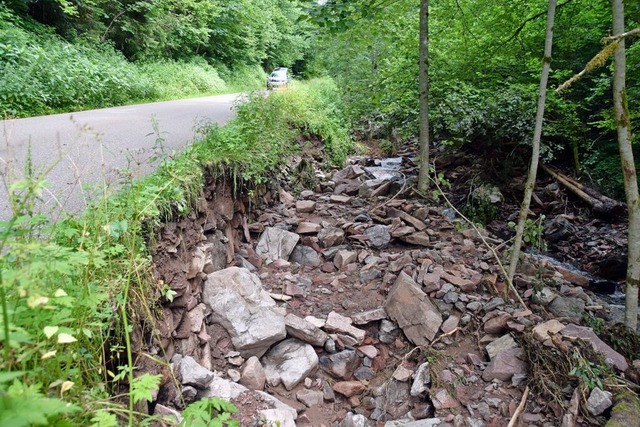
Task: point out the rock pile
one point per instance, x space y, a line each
352 305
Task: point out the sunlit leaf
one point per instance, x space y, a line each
66 338
66 386
48 354
50 331
36 301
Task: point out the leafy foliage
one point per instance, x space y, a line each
23 406
209 412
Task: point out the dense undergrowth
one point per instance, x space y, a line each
73 293
41 73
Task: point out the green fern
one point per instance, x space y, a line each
24 406
211 412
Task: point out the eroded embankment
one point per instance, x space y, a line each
353 303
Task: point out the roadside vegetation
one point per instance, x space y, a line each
71 292
62 56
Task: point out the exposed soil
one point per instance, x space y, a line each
449 261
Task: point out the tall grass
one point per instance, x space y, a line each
41 73
74 294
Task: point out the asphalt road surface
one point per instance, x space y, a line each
86 154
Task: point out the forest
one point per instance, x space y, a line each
79 298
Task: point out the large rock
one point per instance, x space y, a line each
276 243
289 362
587 334
250 316
413 311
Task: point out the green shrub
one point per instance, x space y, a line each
178 78
41 73
267 127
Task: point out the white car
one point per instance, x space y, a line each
278 78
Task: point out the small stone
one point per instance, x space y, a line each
443 400
310 397
493 304
402 374
308 228
497 325
504 365
503 343
191 373
379 236
252 374
341 324
450 324
338 198
369 351
305 206
421 381
369 316
340 365
599 401
541 331
343 258
234 375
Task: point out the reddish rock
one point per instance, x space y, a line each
600 346
504 365
412 310
450 324
349 388
252 374
308 228
443 400
497 325
305 206
421 239
573 277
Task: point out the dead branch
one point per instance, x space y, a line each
520 408
600 203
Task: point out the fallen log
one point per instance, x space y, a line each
601 205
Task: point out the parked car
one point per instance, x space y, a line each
278 78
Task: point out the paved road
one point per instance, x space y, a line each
90 151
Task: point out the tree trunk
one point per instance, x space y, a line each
535 149
621 111
423 176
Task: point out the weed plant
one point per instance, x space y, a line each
77 296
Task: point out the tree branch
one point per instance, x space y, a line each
629 33
524 23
